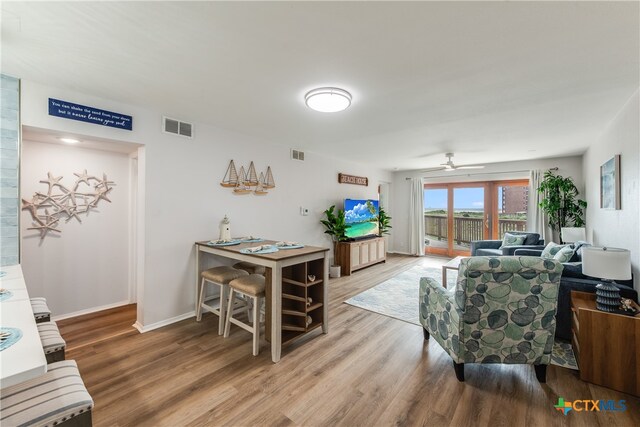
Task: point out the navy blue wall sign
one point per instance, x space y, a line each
69 110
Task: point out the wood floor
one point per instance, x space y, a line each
369 370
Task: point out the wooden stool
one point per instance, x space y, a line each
57 398
40 309
251 286
52 342
219 276
250 268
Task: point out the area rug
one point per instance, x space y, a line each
398 298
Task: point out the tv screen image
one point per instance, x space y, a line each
362 218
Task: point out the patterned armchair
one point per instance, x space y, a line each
501 311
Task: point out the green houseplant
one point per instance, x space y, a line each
335 224
560 201
384 222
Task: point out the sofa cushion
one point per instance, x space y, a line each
530 238
512 240
488 252
564 254
551 250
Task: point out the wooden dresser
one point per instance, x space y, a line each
352 256
607 345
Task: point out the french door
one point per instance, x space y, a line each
455 214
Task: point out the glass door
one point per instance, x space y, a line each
454 215
510 211
436 220
470 218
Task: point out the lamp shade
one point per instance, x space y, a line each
573 234
606 263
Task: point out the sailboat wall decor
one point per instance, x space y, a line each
248 182
231 176
242 187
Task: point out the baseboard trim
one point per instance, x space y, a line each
90 310
142 328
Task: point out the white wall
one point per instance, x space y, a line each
86 265
185 203
567 166
617 228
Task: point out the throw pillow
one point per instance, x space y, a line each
512 240
564 254
551 250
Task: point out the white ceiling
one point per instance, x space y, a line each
489 81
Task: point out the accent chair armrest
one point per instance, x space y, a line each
440 316
510 250
484 244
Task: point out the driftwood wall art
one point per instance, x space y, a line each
248 182
62 202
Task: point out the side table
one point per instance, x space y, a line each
606 345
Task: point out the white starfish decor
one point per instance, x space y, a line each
63 201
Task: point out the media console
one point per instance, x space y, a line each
352 256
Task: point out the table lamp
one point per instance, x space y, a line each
608 264
573 234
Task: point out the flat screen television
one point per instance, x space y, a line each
362 218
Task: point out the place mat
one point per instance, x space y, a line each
8 337
5 294
289 245
223 243
251 239
266 249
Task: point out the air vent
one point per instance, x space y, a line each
177 127
297 155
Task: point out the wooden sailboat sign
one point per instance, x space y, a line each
242 187
252 177
260 190
269 182
231 176
242 182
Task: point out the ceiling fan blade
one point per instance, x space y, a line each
470 167
433 169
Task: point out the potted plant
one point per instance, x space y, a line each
336 227
560 202
384 222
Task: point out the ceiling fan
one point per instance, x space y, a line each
449 166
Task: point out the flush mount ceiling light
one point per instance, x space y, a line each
328 99
69 140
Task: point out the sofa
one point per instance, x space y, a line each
573 280
495 248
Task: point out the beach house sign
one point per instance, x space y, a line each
343 178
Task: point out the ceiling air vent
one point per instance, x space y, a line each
177 127
297 155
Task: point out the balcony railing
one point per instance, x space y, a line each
467 229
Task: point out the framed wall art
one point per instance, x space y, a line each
610 183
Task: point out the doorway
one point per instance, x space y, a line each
455 214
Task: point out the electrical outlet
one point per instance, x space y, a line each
304 211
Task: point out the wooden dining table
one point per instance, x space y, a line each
274 264
25 358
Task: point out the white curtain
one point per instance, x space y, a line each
416 217
537 220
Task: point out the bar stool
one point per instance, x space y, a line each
251 286
52 342
40 309
250 267
56 398
219 276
